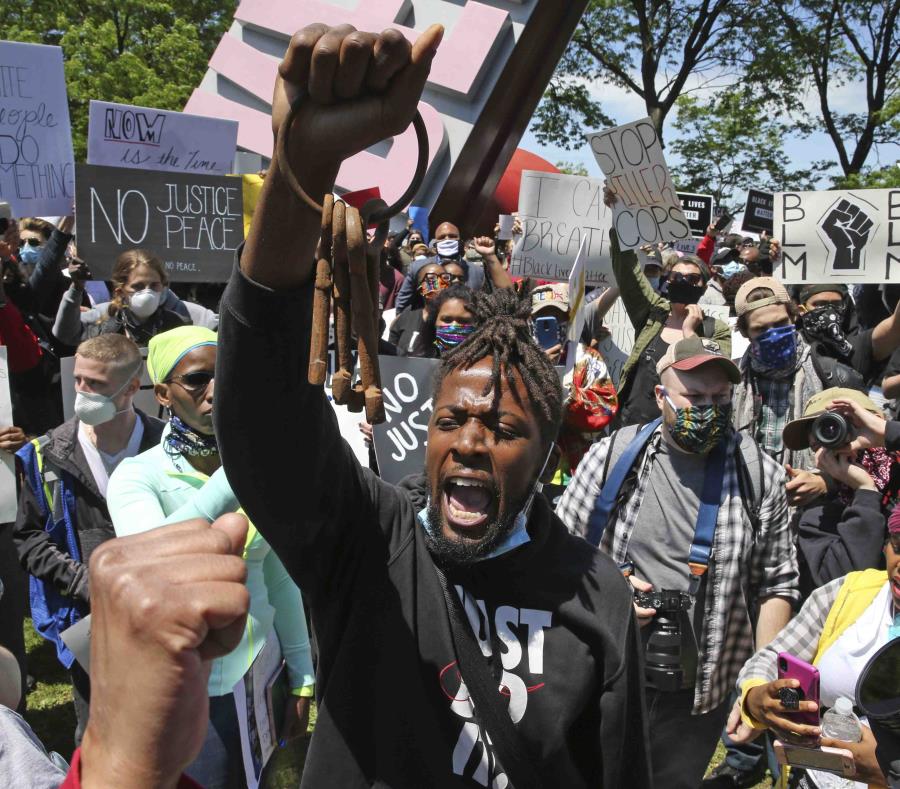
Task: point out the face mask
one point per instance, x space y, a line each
448 248
775 348
699 428
184 440
144 303
430 287
30 255
684 293
451 335
654 283
824 325
96 409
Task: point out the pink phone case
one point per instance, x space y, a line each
790 667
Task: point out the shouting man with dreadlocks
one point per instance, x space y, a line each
464 637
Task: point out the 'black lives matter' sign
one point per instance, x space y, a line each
698 210
193 223
759 212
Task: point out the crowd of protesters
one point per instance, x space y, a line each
563 526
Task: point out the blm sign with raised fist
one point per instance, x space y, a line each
843 236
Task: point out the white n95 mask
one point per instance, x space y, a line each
144 303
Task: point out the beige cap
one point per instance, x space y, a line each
555 295
779 294
691 352
796 432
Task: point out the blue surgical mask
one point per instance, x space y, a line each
30 255
775 348
654 283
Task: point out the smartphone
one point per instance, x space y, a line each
790 667
546 332
724 222
832 760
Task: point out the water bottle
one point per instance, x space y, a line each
840 723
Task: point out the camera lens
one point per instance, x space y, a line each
830 430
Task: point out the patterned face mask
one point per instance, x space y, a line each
775 348
825 325
184 440
451 335
699 428
431 286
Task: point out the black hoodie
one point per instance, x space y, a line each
392 711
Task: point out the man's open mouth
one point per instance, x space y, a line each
467 502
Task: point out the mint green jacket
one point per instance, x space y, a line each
153 488
647 310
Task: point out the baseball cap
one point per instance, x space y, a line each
796 432
692 352
808 291
555 295
779 294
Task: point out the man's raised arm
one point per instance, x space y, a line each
279 441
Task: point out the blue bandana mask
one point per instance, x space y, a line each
775 348
184 440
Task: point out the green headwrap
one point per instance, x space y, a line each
168 348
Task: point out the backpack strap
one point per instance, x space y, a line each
609 493
751 494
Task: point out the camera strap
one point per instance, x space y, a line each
707 516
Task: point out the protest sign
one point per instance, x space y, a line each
558 213
839 236
686 245
194 223
401 440
120 135
758 212
698 210
648 209
7 459
37 170
577 303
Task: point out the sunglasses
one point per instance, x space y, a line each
195 382
690 279
32 242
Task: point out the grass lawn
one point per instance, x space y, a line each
52 716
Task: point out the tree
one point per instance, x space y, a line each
572 168
881 178
729 144
829 45
657 49
151 53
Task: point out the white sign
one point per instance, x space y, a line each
7 459
37 169
558 213
648 209
120 135
840 236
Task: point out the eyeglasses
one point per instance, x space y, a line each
455 279
690 279
195 382
432 278
32 242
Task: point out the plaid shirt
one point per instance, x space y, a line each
743 566
774 412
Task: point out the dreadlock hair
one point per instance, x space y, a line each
503 334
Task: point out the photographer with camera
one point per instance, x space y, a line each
844 530
695 514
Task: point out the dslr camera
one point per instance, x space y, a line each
663 664
831 430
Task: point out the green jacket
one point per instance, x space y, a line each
647 310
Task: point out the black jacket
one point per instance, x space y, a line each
392 710
834 539
38 554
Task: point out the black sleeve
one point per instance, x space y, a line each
892 436
863 358
893 365
40 556
836 540
283 454
47 280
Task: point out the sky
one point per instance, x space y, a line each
624 106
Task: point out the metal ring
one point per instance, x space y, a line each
284 134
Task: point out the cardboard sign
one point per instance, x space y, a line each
698 210
558 213
120 135
8 497
194 223
401 440
758 212
37 170
648 209
839 236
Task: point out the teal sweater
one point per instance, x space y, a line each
152 489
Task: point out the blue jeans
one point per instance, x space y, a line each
220 764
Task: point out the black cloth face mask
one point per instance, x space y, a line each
824 325
681 292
